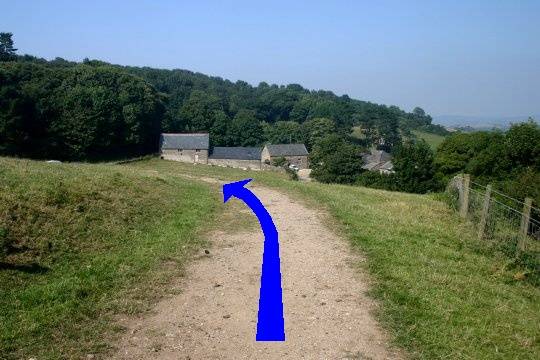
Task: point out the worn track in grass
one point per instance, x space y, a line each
327 312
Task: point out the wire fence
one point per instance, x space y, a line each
504 223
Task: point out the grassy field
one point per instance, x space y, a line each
432 139
96 240
442 296
81 243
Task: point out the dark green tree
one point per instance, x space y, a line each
334 160
282 132
78 112
418 111
315 129
198 113
245 129
220 130
523 144
414 168
7 51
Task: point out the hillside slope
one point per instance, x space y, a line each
433 140
80 243
85 242
443 294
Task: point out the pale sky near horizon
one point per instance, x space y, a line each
477 58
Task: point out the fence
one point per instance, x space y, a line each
510 225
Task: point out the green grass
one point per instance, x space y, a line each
441 295
432 139
82 243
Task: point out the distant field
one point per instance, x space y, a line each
432 139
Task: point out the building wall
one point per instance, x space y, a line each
301 161
246 164
265 155
189 156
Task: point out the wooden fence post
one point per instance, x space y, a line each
525 219
465 188
485 211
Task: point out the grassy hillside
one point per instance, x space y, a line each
81 243
432 139
90 241
443 294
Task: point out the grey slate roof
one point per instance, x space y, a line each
185 141
287 150
377 156
236 153
377 159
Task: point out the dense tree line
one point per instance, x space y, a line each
64 109
509 160
78 112
95 110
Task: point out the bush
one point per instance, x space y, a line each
293 174
377 180
280 161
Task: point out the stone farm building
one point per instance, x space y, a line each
296 154
240 157
191 148
378 160
195 148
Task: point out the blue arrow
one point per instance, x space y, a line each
270 322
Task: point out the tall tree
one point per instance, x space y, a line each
245 129
7 51
334 160
315 129
198 113
418 111
413 164
220 130
282 132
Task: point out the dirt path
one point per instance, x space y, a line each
327 313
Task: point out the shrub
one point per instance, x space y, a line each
377 180
293 174
280 161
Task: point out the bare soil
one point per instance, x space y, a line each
327 312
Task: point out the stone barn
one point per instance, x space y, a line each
296 154
191 148
238 157
378 160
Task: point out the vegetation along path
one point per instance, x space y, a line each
327 312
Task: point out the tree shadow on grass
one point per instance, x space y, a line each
26 268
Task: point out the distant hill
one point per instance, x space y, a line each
481 122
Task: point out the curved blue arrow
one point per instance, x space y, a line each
270 322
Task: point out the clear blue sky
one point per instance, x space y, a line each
477 57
